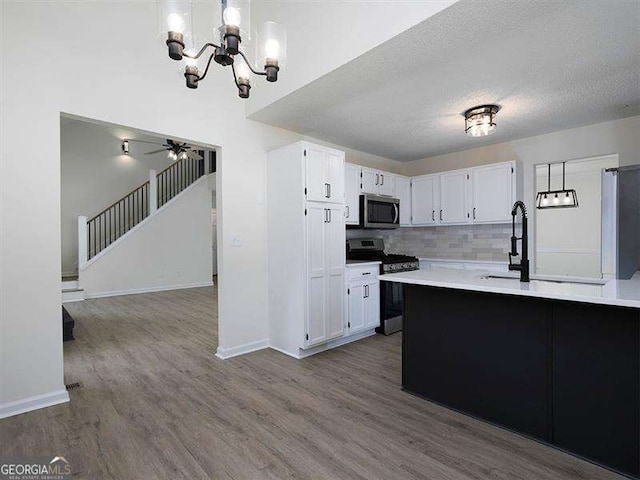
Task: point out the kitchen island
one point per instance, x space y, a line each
559 362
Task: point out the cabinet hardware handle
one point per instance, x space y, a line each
382 177
474 213
440 214
366 273
329 190
326 216
348 211
329 212
326 190
377 179
433 215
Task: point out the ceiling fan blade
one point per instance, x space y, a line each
156 151
193 155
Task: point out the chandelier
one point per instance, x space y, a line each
177 21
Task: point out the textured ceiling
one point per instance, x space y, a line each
550 65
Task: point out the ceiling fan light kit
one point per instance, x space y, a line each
177 22
480 121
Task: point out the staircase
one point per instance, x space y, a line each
97 234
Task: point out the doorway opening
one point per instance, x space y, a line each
137 250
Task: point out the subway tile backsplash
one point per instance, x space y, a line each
467 242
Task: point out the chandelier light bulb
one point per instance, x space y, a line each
175 23
272 49
172 155
545 200
231 16
567 198
556 200
243 72
182 156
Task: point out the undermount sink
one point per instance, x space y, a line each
542 278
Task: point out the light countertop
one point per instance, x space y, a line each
362 263
625 293
461 260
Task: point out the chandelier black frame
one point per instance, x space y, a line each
223 54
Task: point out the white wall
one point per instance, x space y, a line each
95 173
568 240
614 137
322 35
170 249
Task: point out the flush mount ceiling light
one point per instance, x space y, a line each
557 198
177 20
480 121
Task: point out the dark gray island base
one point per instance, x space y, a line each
563 372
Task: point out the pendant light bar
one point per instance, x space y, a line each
565 198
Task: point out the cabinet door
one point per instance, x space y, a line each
372 304
335 305
370 181
352 194
316 331
335 245
453 197
387 184
317 169
356 307
493 193
403 193
335 159
425 200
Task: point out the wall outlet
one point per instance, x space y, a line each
235 241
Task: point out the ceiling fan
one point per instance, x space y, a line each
177 151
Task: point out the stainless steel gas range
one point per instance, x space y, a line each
390 292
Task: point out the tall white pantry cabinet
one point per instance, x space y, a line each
305 246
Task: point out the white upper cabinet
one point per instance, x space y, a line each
370 181
425 200
387 184
378 182
352 194
403 193
324 174
453 197
494 188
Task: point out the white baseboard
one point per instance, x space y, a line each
225 353
33 403
303 353
338 342
135 291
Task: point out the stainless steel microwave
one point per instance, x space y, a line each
379 212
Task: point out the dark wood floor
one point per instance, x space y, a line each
156 403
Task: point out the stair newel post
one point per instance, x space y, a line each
153 191
83 244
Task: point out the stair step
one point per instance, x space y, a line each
70 284
72 295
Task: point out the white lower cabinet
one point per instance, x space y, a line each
363 294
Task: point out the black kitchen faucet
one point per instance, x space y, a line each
523 266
